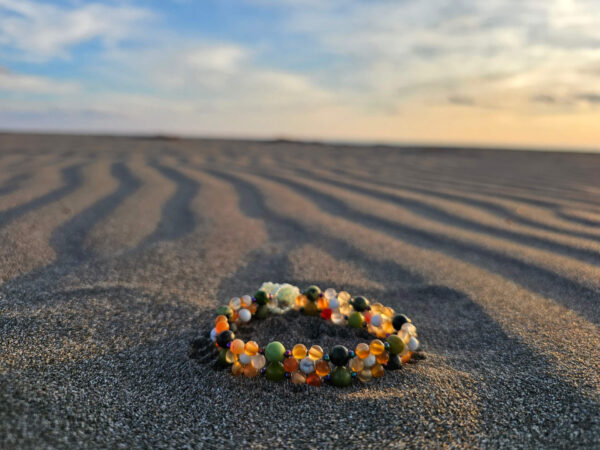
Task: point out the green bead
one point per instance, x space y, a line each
341 377
222 357
356 320
262 312
396 344
312 293
275 372
225 311
261 297
360 303
274 351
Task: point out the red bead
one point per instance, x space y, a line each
326 313
367 315
313 379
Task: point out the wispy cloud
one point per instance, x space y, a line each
15 82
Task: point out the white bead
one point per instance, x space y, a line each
337 318
245 359
246 300
244 315
258 361
409 328
213 335
330 293
413 344
370 361
307 365
376 320
334 303
235 303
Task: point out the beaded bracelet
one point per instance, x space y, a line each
313 366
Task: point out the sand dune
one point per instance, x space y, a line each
114 253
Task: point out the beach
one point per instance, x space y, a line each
116 251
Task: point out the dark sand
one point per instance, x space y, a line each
114 253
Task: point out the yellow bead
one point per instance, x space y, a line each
250 371
322 368
230 357
315 353
377 371
298 378
377 347
383 358
388 327
344 296
362 350
356 364
237 346
237 369
251 348
377 308
365 375
299 351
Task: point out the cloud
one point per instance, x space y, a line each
41 31
15 82
461 100
589 97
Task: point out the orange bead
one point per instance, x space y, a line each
237 369
252 308
299 351
377 347
237 347
322 303
220 318
383 358
377 371
290 364
251 348
301 300
315 353
250 371
313 379
222 326
322 368
406 358
362 350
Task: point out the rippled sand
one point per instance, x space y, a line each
114 253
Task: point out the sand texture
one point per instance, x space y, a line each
114 253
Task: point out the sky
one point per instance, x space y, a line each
474 72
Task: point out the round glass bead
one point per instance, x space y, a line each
251 348
225 311
258 361
370 361
383 358
250 371
301 301
312 293
313 379
223 357
376 320
367 316
394 363
244 315
334 303
339 355
237 346
299 351
237 369
298 378
365 375
274 351
377 371
246 301
322 368
402 334
290 364
362 350
413 344
322 303
396 344
275 371
307 365
222 326
356 364
326 313
360 303
399 320
235 303
377 347
330 293
343 296
410 329
315 353
406 357
341 377
220 318
244 359
262 312
224 338
261 297
213 335
356 320
230 357
337 318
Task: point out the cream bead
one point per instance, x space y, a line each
244 315
370 361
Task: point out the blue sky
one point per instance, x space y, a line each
442 71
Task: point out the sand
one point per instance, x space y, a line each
114 253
